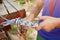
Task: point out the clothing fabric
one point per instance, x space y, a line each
54 34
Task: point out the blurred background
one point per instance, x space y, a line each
31 34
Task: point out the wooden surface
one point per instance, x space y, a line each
18 7
15 11
0 1
2 10
9 7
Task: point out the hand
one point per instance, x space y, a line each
48 24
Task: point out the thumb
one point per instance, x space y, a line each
39 27
42 18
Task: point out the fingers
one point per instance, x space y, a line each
45 26
43 17
39 27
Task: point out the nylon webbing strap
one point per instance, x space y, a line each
19 21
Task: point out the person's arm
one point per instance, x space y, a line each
35 11
49 23
58 19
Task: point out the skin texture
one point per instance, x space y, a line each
49 23
35 10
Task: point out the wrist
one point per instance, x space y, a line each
30 18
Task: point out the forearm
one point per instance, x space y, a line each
35 11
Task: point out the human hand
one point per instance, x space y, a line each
48 24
